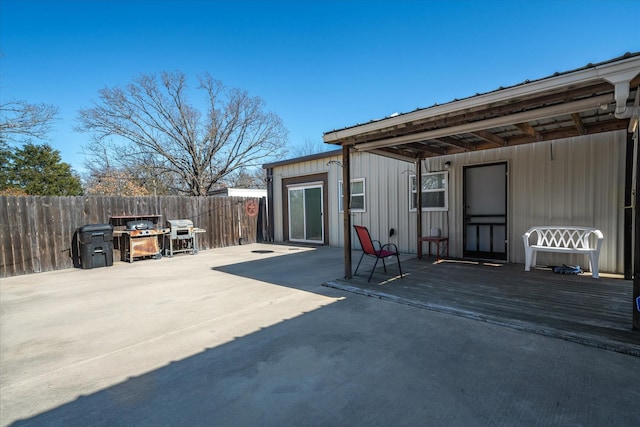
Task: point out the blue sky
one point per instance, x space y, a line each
320 65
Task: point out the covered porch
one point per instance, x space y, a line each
596 99
577 308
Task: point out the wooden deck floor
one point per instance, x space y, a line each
596 312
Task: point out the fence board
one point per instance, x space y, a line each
33 235
40 210
8 261
18 236
70 218
37 233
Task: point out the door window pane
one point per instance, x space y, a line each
313 213
296 214
305 214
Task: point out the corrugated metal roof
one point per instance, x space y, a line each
501 88
572 103
316 156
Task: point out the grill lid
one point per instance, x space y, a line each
180 223
140 225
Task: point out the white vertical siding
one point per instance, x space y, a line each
387 201
573 181
300 169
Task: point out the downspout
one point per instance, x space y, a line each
621 84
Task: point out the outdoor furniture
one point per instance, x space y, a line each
442 246
564 239
369 249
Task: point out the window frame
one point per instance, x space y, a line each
445 190
363 195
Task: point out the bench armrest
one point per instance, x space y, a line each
600 237
525 236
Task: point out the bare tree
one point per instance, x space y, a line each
115 183
247 178
161 129
112 170
310 146
20 120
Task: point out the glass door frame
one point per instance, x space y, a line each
306 186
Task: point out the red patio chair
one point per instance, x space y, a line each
369 249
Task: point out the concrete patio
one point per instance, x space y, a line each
247 335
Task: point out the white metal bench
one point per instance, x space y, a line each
563 239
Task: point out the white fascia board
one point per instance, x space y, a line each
605 71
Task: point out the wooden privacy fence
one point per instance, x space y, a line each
37 233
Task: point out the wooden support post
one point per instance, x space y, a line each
270 223
627 236
419 207
636 243
346 208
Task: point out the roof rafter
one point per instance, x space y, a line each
529 130
422 147
525 116
579 123
466 146
489 137
394 155
605 126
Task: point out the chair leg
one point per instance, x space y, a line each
384 265
593 265
373 269
399 267
362 256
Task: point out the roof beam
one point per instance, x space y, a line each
577 120
489 137
482 113
537 114
422 147
610 125
392 154
529 130
456 143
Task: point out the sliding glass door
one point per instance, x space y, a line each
305 214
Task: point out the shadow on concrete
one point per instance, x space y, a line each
359 361
240 382
265 378
305 268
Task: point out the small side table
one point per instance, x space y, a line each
442 246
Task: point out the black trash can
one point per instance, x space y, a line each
96 245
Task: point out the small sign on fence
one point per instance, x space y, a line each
251 208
